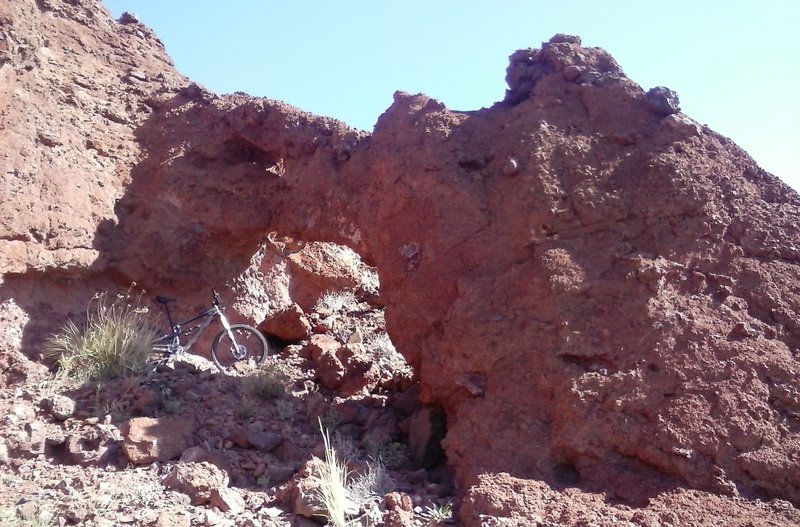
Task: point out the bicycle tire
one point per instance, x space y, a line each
254 346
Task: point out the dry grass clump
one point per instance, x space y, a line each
332 490
114 341
269 381
372 485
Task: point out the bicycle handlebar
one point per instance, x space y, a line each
215 296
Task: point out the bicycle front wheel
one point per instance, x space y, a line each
248 345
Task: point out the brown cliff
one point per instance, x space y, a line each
599 292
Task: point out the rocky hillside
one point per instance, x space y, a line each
599 293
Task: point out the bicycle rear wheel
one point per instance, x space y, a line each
232 357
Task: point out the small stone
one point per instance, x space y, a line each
568 39
196 480
398 501
329 368
663 101
279 473
211 519
78 511
172 519
23 411
27 510
37 438
138 75
510 167
194 454
148 439
288 324
128 18
745 330
272 512
355 337
571 72
62 407
682 124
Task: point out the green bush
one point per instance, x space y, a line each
114 341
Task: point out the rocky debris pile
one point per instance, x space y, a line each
183 445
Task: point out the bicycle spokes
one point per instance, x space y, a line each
237 347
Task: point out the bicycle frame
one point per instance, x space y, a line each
236 342
171 342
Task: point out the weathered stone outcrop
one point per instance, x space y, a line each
596 289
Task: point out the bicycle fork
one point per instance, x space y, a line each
237 350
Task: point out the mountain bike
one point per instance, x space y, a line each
233 347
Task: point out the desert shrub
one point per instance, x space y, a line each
435 515
268 382
285 409
382 347
330 420
392 454
373 485
114 341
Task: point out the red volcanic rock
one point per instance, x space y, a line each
324 355
596 289
503 500
74 86
203 483
288 324
577 311
147 439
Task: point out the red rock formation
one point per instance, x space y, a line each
597 290
585 282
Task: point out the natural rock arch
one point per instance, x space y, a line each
586 281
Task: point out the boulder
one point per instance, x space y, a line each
663 101
302 493
361 374
330 370
288 324
147 439
61 407
254 436
399 510
200 481
227 499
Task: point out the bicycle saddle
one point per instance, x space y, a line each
164 300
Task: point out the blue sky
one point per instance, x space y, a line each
734 63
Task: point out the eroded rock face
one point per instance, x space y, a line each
74 86
593 286
581 310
